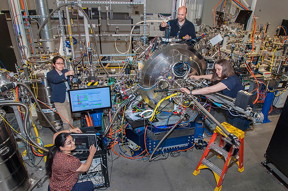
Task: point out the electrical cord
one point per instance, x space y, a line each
145 115
57 113
21 137
164 138
38 105
159 103
25 123
130 39
123 104
163 156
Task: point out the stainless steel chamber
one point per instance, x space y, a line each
166 69
13 174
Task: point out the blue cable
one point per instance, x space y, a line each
238 5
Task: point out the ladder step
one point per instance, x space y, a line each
213 167
219 150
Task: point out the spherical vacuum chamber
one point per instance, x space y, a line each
166 69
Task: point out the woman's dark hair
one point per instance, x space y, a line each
227 70
56 58
59 142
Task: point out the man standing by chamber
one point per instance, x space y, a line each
180 27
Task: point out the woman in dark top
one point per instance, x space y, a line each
58 81
62 168
227 83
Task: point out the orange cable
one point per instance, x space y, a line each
87 121
183 150
252 74
271 109
90 120
241 5
57 113
17 99
35 153
283 29
22 5
118 154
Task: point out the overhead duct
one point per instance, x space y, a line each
46 36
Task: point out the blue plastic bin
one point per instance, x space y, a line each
97 117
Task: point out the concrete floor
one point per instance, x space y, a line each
175 173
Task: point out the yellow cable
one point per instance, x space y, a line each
272 60
24 153
36 90
36 133
23 138
182 104
155 110
281 92
34 125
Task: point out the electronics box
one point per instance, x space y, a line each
180 139
244 99
98 171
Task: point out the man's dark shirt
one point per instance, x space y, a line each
179 32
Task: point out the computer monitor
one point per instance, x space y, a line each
90 99
84 141
243 17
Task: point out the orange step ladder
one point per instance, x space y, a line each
228 156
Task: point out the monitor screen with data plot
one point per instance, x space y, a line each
90 99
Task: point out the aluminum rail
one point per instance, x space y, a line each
229 135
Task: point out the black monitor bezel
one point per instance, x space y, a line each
243 17
88 89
